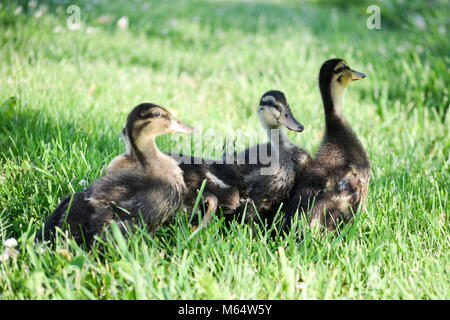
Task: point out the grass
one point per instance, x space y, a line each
64 96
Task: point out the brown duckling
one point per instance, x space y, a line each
220 191
267 182
334 185
149 194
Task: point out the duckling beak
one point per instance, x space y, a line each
177 126
288 120
357 75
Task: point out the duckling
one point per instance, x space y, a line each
265 183
220 191
334 185
150 193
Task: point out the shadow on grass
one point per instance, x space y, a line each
43 158
25 130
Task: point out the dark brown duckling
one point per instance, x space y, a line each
267 181
334 185
220 191
149 194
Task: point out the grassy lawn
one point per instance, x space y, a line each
65 94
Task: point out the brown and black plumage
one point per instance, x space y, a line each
147 193
221 188
334 185
221 191
268 171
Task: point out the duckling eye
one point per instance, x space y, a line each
156 114
340 69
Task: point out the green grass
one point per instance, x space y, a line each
64 96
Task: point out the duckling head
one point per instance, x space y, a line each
335 75
274 111
147 121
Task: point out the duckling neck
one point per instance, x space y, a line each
145 152
332 103
156 162
337 128
148 151
278 138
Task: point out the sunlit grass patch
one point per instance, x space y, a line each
64 97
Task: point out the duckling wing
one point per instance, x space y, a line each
134 196
123 196
313 195
265 181
73 212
